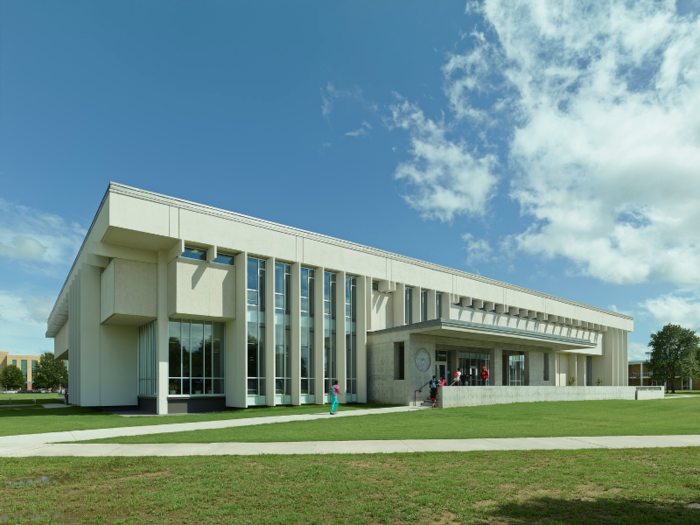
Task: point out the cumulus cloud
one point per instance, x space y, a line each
675 308
362 131
637 351
605 148
478 250
39 241
23 322
448 176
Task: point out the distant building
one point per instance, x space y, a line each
638 375
26 363
175 306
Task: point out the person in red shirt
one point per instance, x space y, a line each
484 374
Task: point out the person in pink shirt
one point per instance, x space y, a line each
334 396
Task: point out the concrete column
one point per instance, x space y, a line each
270 371
641 374
555 369
295 314
399 301
368 302
318 335
581 370
162 332
496 367
341 346
573 371
237 341
446 305
416 304
364 291
89 335
432 307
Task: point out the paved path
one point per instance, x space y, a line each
349 447
84 435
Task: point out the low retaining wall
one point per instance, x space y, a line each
464 396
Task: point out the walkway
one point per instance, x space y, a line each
349 447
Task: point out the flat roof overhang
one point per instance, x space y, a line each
495 334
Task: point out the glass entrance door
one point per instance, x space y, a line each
441 372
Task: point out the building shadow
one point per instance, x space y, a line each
600 510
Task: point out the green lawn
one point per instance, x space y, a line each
534 487
28 399
565 418
35 421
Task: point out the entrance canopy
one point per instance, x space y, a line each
491 333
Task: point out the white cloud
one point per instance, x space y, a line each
330 94
23 322
637 351
478 250
38 241
449 177
605 111
362 131
675 308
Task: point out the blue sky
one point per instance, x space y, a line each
548 145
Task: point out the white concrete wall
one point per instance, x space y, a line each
197 289
118 372
449 397
128 292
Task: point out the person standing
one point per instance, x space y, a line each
484 374
334 397
458 377
433 390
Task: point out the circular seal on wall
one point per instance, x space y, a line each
422 359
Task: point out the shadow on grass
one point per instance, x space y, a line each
546 510
36 412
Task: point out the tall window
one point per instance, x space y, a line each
196 358
256 327
283 329
589 371
307 331
351 334
438 305
424 305
516 370
408 305
147 365
329 350
34 368
24 368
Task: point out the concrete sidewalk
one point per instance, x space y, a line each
348 447
85 435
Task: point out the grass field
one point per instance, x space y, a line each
28 399
35 421
565 418
537 487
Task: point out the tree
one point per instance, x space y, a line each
12 378
50 372
674 353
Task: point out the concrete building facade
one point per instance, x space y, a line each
176 306
26 363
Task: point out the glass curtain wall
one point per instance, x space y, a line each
423 305
471 364
146 354
283 331
438 305
351 336
256 327
307 331
196 358
329 351
516 370
408 305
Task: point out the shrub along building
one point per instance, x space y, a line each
175 306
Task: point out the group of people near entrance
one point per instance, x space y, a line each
435 384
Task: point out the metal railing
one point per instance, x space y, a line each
415 394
